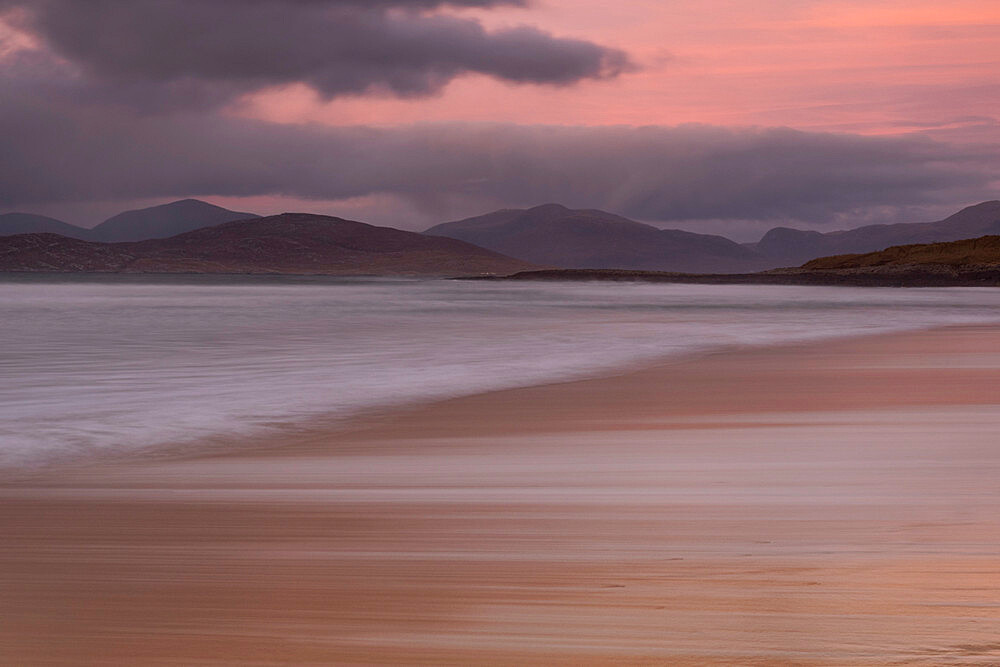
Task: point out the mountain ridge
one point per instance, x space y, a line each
164 221
554 235
160 221
795 246
30 223
289 243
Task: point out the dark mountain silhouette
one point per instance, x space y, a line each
29 223
589 239
164 221
794 246
291 243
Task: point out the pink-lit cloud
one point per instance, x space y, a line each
917 71
873 67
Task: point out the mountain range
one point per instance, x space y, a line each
550 235
156 222
788 247
554 235
291 243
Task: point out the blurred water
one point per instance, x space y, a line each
94 364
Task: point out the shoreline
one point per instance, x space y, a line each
302 434
181 426
897 276
819 503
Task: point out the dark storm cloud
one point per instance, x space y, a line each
335 46
57 148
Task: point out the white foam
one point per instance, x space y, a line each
93 366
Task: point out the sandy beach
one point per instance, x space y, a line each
833 503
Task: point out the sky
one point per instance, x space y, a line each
721 116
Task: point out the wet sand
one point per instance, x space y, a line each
824 504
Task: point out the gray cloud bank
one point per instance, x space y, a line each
56 148
337 47
134 114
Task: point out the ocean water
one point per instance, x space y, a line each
119 364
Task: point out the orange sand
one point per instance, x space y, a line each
827 504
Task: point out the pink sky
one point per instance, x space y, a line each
866 67
869 67
872 67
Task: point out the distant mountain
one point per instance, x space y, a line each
794 246
589 239
164 221
29 223
291 243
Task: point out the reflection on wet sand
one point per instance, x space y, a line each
825 504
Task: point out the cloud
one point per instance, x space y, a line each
110 100
337 47
56 147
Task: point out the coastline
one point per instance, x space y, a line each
311 434
829 502
869 276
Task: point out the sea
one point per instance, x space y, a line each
119 365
